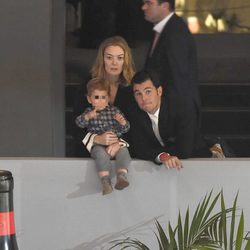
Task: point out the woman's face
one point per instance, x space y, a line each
113 60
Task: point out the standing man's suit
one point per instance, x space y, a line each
174 59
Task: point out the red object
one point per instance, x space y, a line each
163 156
7 225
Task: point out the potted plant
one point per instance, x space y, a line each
206 230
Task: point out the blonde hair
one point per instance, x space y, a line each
97 84
98 69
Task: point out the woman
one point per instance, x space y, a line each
115 64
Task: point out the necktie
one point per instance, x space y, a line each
156 37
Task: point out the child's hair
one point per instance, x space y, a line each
99 84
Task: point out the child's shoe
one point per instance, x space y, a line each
106 185
121 181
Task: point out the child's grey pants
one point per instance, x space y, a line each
103 159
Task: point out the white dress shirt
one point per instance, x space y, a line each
159 26
155 120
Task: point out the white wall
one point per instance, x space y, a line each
59 206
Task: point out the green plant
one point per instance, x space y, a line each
206 231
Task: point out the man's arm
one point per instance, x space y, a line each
145 146
143 142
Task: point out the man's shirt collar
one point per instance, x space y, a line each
159 26
155 115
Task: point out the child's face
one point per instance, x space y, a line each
98 99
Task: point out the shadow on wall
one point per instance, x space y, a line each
138 229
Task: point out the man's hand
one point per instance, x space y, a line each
172 162
113 149
120 118
106 138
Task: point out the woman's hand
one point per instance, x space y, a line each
106 138
113 149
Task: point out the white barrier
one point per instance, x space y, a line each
59 206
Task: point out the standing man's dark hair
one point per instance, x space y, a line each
171 3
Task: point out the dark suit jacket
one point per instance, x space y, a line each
177 127
174 59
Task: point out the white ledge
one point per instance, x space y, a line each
59 206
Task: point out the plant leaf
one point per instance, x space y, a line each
186 226
239 237
180 233
162 239
203 221
197 217
172 241
159 242
193 225
247 245
231 241
223 221
208 213
128 243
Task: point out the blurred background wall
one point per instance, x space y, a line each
32 78
38 79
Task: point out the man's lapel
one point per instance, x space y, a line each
163 118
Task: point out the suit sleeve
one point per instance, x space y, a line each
182 68
182 58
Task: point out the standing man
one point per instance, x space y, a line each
172 53
163 128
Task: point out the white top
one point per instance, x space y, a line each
155 120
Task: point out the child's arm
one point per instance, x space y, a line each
125 125
120 118
90 115
83 119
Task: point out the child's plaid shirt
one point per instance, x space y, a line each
103 122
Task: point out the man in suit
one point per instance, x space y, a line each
173 52
163 128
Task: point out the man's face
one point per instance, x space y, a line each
147 96
153 11
98 99
113 60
